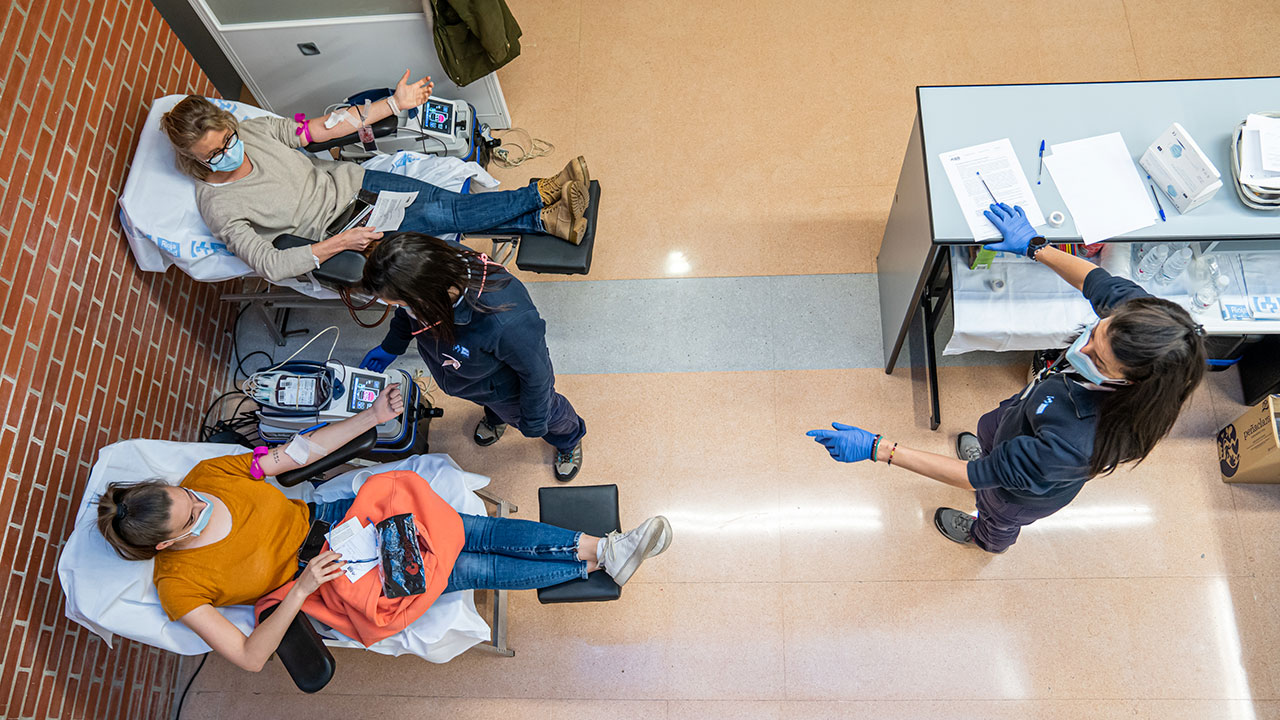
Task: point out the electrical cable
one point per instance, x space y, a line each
183 697
537 148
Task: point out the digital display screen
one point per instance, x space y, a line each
364 390
439 117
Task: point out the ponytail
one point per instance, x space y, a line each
134 518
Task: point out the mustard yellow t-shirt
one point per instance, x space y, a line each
256 557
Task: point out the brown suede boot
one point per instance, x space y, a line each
560 220
549 188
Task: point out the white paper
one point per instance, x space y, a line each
1099 182
1251 171
388 212
1268 129
354 540
1000 168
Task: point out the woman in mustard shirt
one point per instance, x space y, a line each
223 538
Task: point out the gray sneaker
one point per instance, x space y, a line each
957 527
620 554
487 434
967 447
567 464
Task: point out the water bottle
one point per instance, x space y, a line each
1173 267
1206 296
1152 261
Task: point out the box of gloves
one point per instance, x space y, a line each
1178 167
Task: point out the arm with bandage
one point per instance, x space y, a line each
306 449
347 120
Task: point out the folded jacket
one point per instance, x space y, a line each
359 610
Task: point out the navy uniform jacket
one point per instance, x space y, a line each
1042 446
496 357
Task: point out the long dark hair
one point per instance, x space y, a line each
1162 349
419 271
134 517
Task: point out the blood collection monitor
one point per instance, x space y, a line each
363 389
442 118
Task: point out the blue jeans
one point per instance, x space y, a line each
500 553
509 554
437 211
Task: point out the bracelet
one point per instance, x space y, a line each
874 445
303 129
255 466
892 450
391 103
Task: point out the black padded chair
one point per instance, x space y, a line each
592 509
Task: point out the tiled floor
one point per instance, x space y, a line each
797 587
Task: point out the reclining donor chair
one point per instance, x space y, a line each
112 596
160 220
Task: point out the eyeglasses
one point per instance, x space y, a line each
216 158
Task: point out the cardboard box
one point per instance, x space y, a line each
1249 448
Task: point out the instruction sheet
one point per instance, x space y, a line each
388 212
995 164
1098 180
354 540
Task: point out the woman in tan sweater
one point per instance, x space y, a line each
252 185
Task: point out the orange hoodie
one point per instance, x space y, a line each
359 610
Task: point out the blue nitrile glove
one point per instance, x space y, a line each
846 443
377 359
1013 224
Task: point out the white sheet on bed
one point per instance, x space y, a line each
112 596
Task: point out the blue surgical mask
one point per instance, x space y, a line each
202 521
231 159
1083 364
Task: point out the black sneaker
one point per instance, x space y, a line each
967 447
957 527
567 464
487 434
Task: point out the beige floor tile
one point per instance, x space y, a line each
1052 639
1094 709
1186 39
726 709
409 706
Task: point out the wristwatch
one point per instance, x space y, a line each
1035 245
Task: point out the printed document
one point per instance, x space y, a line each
1100 184
354 540
1268 129
1002 173
388 212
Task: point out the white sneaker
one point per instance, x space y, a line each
620 554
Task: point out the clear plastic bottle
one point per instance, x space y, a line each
1206 296
1173 267
1152 261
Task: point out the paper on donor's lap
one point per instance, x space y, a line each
1100 184
388 212
1000 169
354 540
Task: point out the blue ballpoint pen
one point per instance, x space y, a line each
1040 172
1156 195
984 184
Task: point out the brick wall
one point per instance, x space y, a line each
86 337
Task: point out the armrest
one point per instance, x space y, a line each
346 268
352 450
382 128
303 653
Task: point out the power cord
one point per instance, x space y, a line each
535 148
183 698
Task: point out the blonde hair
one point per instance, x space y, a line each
187 123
